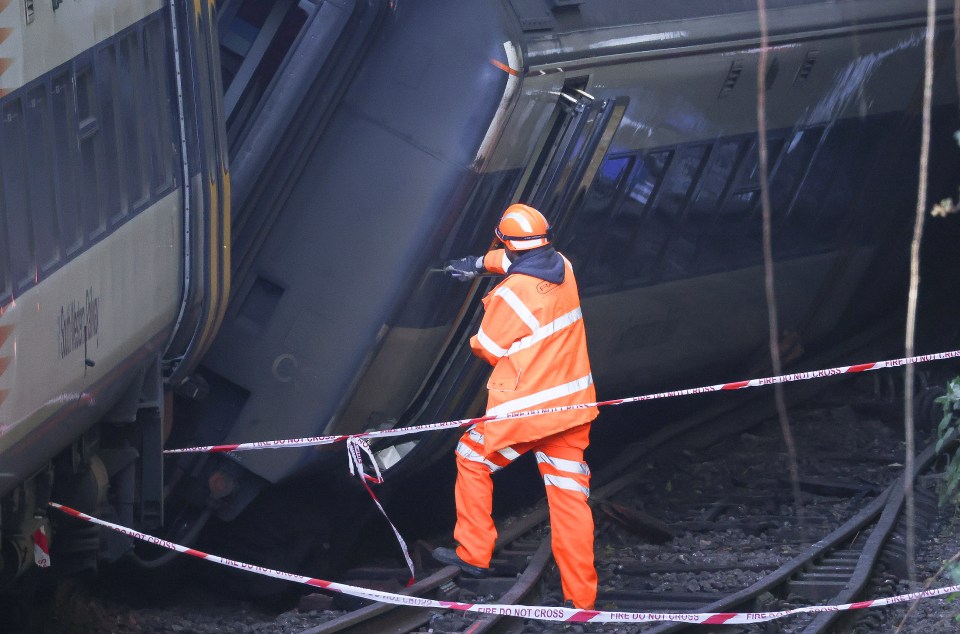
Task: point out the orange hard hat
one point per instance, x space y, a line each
522 227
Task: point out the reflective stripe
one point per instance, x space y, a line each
532 400
561 464
521 220
469 454
539 334
566 483
518 307
509 453
475 436
489 344
505 264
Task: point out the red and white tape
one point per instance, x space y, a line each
41 548
415 429
540 613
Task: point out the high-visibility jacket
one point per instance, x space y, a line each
532 333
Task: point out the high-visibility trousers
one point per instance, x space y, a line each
567 481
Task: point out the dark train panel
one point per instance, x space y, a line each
633 128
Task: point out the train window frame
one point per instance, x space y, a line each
66 156
112 192
6 285
694 158
90 144
132 146
161 101
40 181
21 252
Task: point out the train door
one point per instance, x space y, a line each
570 152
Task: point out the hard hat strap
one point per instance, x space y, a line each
547 236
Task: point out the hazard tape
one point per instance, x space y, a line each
416 429
539 613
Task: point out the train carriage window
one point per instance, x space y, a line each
160 97
46 230
131 144
624 187
836 210
16 205
587 237
739 233
660 228
65 143
91 156
5 286
112 192
793 167
698 227
132 86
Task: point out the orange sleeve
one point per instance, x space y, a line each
500 328
496 261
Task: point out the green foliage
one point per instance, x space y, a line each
952 571
947 432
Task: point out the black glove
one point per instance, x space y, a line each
464 269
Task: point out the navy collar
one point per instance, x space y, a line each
542 263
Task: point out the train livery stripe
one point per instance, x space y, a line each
539 613
5 332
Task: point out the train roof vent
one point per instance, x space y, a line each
805 68
733 76
533 15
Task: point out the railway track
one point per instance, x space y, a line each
706 526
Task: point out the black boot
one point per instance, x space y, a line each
450 557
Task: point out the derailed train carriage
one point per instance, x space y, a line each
370 142
113 277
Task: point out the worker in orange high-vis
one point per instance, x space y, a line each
532 334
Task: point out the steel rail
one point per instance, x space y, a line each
887 505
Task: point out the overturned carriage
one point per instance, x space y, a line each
370 142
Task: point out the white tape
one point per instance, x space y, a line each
570 615
416 429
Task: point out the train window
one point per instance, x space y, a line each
834 211
790 174
620 194
5 287
16 209
663 222
131 148
699 226
115 207
40 180
587 236
160 97
91 156
65 145
625 230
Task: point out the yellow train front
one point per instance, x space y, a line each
114 221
